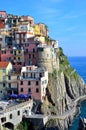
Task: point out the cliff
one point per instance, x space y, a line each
64 87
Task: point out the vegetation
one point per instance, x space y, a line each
50 123
24 125
54 74
65 65
47 39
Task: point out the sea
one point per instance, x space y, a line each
79 64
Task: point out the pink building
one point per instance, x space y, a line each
31 54
7 54
33 81
3 14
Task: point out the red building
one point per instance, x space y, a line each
2 19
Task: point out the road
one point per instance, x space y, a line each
63 116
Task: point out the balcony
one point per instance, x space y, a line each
11 88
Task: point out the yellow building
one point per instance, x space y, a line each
40 31
5 69
37 30
18 54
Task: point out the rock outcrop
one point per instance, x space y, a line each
64 87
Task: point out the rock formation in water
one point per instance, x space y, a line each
64 86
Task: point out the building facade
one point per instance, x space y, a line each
5 69
33 81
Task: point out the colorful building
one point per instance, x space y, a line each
2 19
3 14
5 69
30 52
12 83
7 54
28 19
25 31
18 62
33 81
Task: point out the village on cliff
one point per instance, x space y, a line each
27 55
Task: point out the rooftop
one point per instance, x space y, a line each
3 64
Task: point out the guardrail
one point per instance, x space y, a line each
18 106
15 107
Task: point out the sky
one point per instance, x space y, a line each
66 20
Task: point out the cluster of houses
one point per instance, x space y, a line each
27 55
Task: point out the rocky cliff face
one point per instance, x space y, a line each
65 85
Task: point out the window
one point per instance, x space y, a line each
3 119
23 75
9 77
45 81
4 52
37 90
33 50
9 85
9 58
14 64
37 83
29 56
19 52
18 113
40 75
11 52
18 58
10 116
21 89
29 83
33 55
4 70
26 50
14 52
31 75
42 82
14 58
19 63
3 84
29 90
21 82
34 75
26 68
26 75
41 49
0 39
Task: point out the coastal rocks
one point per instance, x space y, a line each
65 86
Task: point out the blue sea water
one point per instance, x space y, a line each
79 64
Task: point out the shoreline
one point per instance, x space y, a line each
80 99
77 107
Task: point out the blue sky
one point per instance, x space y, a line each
66 20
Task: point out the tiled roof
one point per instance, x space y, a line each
3 64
